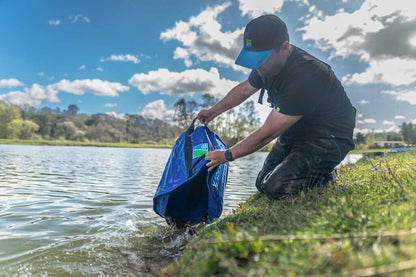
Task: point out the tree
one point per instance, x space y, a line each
7 115
67 130
408 131
208 100
360 139
185 112
370 138
394 137
28 128
73 109
19 128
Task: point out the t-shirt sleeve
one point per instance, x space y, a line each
255 80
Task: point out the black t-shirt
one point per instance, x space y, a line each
307 86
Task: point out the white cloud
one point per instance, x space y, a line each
9 83
255 8
110 105
359 115
41 74
122 58
406 95
393 128
36 93
54 23
398 117
390 71
203 39
100 69
378 32
157 109
121 116
412 41
356 33
363 102
94 86
367 121
370 121
79 17
82 67
388 122
181 53
32 96
19 98
180 83
366 131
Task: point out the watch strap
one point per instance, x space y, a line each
228 155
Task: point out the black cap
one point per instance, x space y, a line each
261 36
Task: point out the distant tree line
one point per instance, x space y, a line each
26 122
53 124
407 134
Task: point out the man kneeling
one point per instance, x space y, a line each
312 117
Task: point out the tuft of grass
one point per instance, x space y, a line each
363 225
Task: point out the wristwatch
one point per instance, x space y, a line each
228 155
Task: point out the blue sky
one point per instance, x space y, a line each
142 56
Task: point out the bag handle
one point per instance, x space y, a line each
188 147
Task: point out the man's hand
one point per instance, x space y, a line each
205 116
215 158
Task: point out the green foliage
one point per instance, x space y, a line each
408 131
360 139
12 126
370 138
348 229
28 123
19 128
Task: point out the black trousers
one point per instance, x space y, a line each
291 168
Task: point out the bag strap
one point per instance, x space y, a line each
188 147
261 96
210 146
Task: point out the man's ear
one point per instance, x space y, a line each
285 48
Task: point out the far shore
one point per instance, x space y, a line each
138 145
83 143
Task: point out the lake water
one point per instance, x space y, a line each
87 211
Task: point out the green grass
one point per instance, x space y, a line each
363 225
80 143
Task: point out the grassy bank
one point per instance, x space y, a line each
369 151
364 225
80 143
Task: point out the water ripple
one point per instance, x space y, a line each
86 211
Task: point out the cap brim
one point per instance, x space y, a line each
253 59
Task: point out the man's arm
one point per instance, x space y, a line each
235 97
275 124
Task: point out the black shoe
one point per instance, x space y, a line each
331 177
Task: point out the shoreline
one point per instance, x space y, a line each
138 145
364 222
